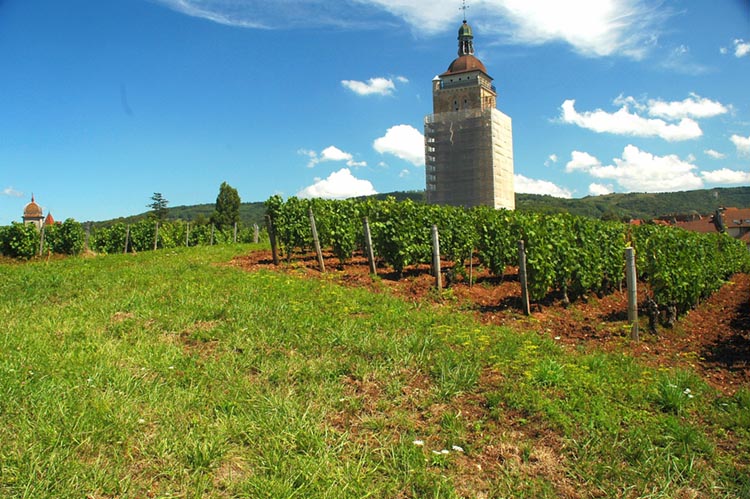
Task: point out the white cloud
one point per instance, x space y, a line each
373 86
714 154
741 48
694 106
531 186
11 192
581 161
678 59
289 14
330 153
641 171
594 28
333 153
600 189
551 159
311 155
403 141
404 173
339 185
218 11
623 122
741 143
726 176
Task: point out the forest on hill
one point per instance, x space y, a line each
645 206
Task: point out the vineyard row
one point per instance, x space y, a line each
71 237
564 253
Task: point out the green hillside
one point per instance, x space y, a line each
624 206
640 205
250 213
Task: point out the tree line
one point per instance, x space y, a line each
155 231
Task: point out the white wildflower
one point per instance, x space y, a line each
419 443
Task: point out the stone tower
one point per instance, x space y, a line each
468 142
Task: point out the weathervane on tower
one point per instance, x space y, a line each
463 8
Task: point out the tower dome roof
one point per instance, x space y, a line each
464 64
465 31
32 210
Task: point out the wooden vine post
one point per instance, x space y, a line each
127 239
256 233
212 234
436 258
41 241
235 232
187 235
316 241
156 235
523 278
368 247
471 268
272 238
632 284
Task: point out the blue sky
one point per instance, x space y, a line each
104 102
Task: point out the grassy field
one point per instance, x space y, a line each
173 374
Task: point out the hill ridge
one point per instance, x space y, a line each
617 205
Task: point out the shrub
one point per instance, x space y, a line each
19 240
67 238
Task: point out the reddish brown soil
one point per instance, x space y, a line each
714 338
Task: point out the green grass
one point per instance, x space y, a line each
172 374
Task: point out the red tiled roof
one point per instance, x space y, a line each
736 217
704 225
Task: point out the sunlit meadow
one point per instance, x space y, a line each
174 374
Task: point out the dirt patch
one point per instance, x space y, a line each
714 338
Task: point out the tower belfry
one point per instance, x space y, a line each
468 142
465 36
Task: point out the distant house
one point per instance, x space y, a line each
733 221
736 221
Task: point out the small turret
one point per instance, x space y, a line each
465 40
